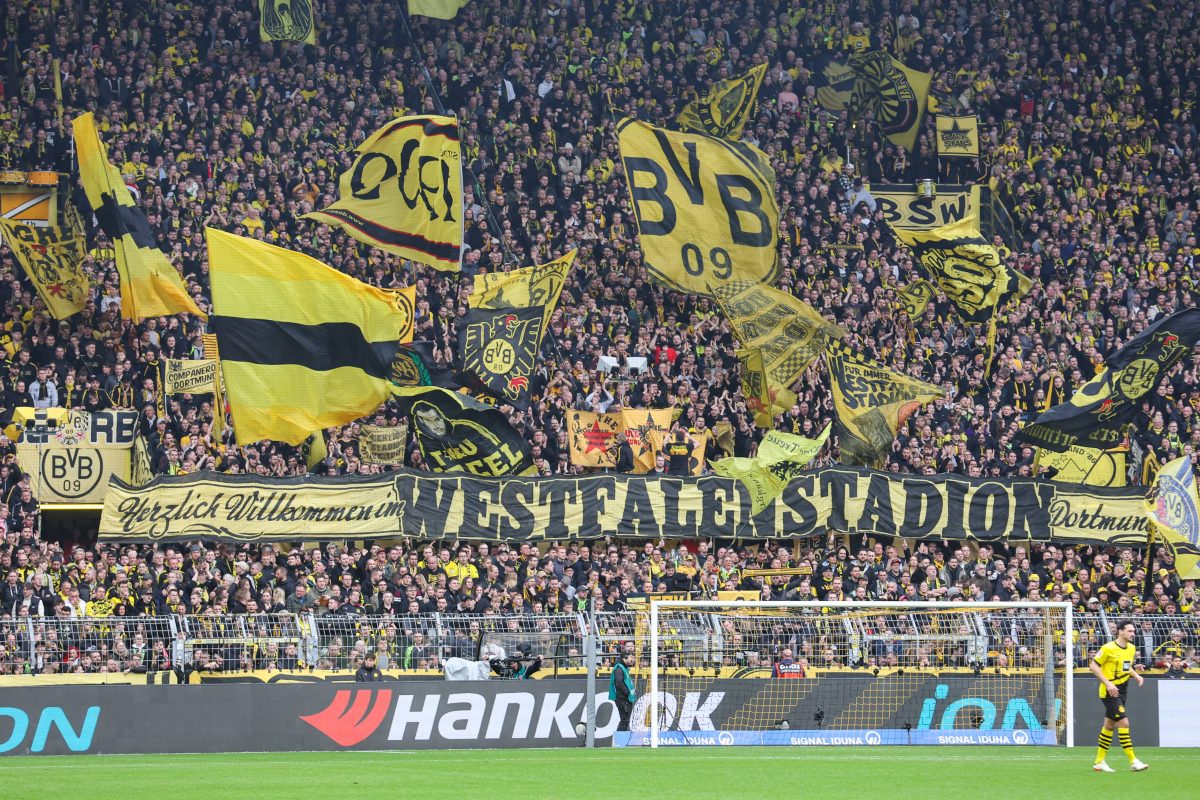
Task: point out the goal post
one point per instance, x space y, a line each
793 673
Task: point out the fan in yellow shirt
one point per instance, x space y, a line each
1113 665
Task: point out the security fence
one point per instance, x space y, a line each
417 642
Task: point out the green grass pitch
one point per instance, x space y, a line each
692 773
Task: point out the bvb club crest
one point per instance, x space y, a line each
500 351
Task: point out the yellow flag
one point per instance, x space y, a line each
724 110
914 298
593 438
1086 465
403 194
957 137
303 346
705 207
967 268
788 334
871 402
194 376
765 397
53 260
286 21
438 9
780 457
1174 511
539 285
664 442
211 350
315 450
150 286
894 95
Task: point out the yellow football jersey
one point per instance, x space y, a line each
1116 663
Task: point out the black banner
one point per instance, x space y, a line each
459 434
423 505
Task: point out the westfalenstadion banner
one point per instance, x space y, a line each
423 505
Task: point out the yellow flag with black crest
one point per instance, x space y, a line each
723 111
914 298
894 95
705 207
287 21
539 285
53 260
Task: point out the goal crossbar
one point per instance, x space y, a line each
658 607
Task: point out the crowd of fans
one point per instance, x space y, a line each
1089 135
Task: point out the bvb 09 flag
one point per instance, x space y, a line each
303 346
499 349
967 268
894 95
403 194
871 402
53 260
724 110
286 21
1098 412
705 207
957 137
1174 511
150 286
914 298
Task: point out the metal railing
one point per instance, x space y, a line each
232 643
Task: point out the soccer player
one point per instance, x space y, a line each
1113 664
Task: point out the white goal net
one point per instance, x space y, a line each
819 673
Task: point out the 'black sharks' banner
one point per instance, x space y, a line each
424 505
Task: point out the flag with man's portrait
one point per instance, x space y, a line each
287 21
456 433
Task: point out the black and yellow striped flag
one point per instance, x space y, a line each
303 346
150 286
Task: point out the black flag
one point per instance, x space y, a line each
457 433
499 350
415 365
1097 413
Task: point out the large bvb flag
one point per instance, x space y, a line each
286 21
53 260
499 350
871 402
150 286
403 194
457 433
705 207
1097 413
894 95
303 346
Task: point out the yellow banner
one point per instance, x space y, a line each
705 207
539 285
53 260
967 268
197 376
287 21
662 440
384 444
871 402
957 137
404 192
150 284
429 506
1085 465
723 111
766 398
593 436
72 474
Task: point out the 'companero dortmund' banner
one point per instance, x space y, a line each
705 207
249 508
198 376
403 194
